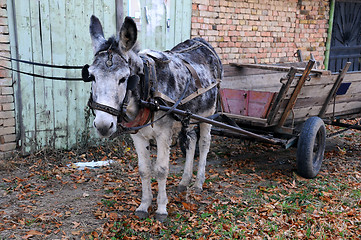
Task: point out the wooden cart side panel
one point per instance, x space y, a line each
316 91
341 109
311 97
232 71
264 82
246 103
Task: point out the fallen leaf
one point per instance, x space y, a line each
113 216
189 206
32 233
76 224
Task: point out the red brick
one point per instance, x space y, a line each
7 147
278 22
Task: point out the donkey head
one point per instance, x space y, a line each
113 73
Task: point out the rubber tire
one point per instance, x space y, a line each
311 147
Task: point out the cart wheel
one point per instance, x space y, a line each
311 147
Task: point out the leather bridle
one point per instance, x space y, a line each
131 81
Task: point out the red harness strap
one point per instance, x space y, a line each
144 115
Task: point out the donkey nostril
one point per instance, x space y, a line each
111 125
95 125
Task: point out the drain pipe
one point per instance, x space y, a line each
329 34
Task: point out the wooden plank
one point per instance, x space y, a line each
84 56
232 71
279 68
268 82
343 108
250 120
281 96
170 13
71 34
297 90
42 119
352 76
98 11
332 93
186 19
26 83
318 102
159 37
119 4
321 92
48 84
110 17
58 47
178 22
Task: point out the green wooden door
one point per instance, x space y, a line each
162 23
53 113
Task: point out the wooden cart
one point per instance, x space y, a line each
289 105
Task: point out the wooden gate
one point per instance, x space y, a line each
54 113
162 23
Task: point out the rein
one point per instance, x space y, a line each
42 65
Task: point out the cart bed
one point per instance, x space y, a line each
313 99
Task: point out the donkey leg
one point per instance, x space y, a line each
190 139
204 143
144 163
161 171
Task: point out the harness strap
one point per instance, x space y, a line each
199 91
194 73
190 97
161 95
101 107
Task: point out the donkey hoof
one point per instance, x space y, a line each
181 188
161 217
141 214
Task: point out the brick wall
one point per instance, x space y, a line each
270 31
7 108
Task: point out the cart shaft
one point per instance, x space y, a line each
212 122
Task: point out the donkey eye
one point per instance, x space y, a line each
121 80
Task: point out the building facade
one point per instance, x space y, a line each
241 31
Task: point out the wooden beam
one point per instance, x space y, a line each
335 87
296 92
279 68
119 14
281 95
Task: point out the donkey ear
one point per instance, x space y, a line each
128 34
96 33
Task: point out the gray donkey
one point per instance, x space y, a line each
121 77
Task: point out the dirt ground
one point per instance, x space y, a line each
42 198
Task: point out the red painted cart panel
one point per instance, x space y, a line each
247 103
